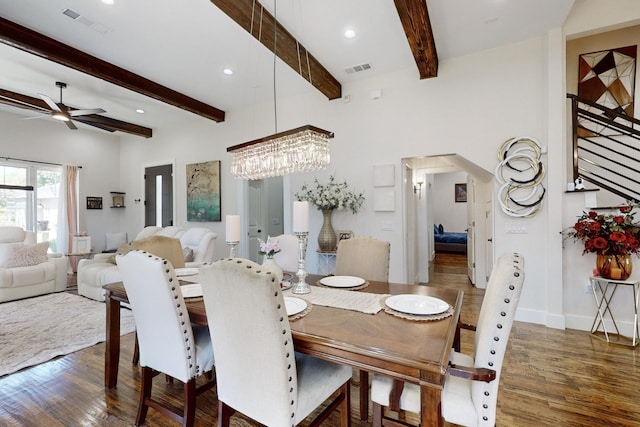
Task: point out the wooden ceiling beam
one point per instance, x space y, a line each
26 102
417 27
257 21
38 44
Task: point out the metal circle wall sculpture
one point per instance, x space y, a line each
520 173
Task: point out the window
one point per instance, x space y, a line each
29 198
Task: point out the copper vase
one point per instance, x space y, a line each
615 267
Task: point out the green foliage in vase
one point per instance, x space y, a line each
332 195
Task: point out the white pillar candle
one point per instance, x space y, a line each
301 217
233 228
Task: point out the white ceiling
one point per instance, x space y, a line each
186 44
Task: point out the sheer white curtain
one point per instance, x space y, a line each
68 211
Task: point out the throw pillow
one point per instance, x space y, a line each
436 230
188 254
24 256
441 228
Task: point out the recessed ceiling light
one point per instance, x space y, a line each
108 2
349 34
227 71
139 110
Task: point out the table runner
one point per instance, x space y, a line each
364 302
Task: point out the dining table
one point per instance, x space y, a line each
413 351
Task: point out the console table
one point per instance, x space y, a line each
603 291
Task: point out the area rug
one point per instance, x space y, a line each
36 330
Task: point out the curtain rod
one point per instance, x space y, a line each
35 161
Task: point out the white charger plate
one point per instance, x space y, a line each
294 305
416 304
342 281
188 271
192 290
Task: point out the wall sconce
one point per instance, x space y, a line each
418 189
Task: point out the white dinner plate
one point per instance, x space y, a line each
186 271
192 290
416 304
342 281
294 305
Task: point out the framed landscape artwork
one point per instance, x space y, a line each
203 192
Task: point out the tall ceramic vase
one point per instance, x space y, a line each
327 239
616 267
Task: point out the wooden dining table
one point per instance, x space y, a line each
408 350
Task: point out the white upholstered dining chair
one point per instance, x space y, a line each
364 257
287 258
367 258
167 341
258 371
470 390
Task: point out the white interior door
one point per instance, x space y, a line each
489 234
471 229
255 217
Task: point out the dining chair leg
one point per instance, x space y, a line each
377 415
136 351
345 406
145 393
364 396
189 416
224 414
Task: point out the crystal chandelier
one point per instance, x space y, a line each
303 149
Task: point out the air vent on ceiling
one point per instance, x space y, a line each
71 13
95 26
358 68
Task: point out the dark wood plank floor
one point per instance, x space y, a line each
550 378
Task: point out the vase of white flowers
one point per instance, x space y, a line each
268 249
327 198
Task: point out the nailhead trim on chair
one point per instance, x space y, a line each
179 311
496 339
284 330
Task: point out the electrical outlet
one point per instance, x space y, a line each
588 288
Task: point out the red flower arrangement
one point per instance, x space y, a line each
608 234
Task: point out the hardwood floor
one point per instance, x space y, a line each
550 378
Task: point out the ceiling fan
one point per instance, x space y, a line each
61 112
46 106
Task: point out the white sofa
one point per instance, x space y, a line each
26 270
94 273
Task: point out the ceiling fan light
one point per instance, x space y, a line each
59 115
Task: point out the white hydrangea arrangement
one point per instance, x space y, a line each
333 195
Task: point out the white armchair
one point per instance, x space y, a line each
26 270
470 392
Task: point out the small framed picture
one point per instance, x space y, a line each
460 193
94 202
344 234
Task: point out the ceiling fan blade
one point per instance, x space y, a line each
75 113
49 102
70 125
